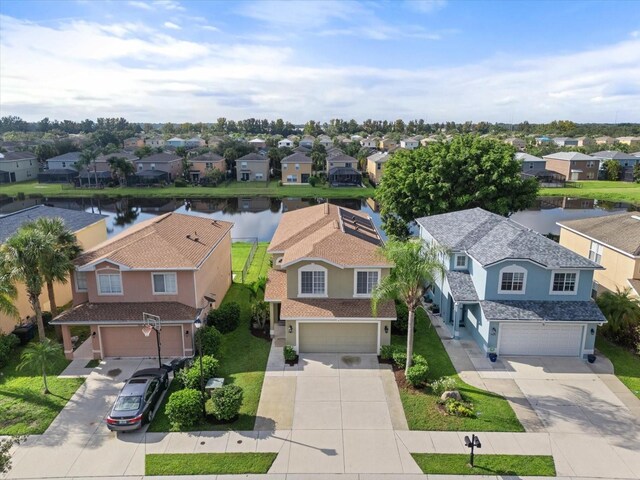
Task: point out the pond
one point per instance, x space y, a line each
259 216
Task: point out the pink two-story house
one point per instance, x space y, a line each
174 266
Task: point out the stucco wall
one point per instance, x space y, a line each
253 168
215 273
305 168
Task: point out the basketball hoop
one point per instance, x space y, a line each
152 322
146 330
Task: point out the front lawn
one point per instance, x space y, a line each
600 190
24 409
493 412
626 365
512 465
208 463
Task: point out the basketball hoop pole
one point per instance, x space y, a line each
146 330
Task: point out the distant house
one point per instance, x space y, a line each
342 171
369 142
100 172
565 141
18 167
375 166
132 143
195 142
202 164
531 165
543 140
60 169
67 160
572 165
155 142
386 144
325 141
252 167
585 141
306 141
409 143
631 141
605 140
258 143
158 167
333 152
517 143
285 142
296 169
626 160
176 142
427 140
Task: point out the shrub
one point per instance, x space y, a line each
313 181
180 182
399 358
443 384
419 359
387 351
184 408
289 353
7 344
417 374
226 318
225 402
210 338
400 326
259 315
190 377
459 409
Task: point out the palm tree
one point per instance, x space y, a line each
57 264
20 256
622 312
8 294
87 157
121 168
416 264
38 355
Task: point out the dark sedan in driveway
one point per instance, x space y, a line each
138 399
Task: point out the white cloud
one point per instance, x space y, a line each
141 73
172 26
169 5
635 34
210 28
142 5
426 6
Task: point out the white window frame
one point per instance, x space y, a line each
284 166
75 278
513 269
553 275
103 294
153 285
292 179
595 252
355 281
259 176
243 164
313 268
297 166
455 261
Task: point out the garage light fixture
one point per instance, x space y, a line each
290 328
386 329
593 331
493 331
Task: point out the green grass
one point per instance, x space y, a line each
24 409
233 189
513 465
243 358
599 190
625 363
239 255
208 463
493 412
260 265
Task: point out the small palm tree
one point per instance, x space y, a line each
88 157
56 264
8 294
38 355
416 264
622 312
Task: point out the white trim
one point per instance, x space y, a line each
340 319
310 259
576 285
75 281
91 266
455 261
297 327
599 250
101 294
632 287
513 259
513 268
312 267
153 285
355 281
626 254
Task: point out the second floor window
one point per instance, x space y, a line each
366 281
461 262
595 252
564 282
512 279
313 282
81 281
109 284
164 283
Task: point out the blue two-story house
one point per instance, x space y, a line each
514 291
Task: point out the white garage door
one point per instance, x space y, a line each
338 337
131 342
540 339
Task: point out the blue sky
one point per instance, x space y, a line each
170 60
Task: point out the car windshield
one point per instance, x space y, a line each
127 403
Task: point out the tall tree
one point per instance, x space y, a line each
467 172
38 356
416 264
87 158
121 168
8 294
56 261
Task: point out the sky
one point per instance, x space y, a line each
179 61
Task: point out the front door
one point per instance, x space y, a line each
13 177
244 176
305 178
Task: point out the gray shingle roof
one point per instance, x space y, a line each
160 158
526 157
522 310
253 157
568 156
73 219
9 156
489 238
621 231
612 154
67 157
379 157
461 286
297 158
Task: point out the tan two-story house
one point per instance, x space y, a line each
252 167
573 165
612 241
325 267
375 166
174 266
296 169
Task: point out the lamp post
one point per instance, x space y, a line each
148 318
198 325
472 443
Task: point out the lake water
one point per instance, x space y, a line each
259 216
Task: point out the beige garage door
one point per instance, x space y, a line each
131 342
338 337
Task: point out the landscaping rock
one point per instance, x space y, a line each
451 394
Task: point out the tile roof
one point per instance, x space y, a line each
126 312
568 156
253 157
173 240
461 286
207 157
621 231
74 220
523 310
297 158
160 158
293 308
489 238
276 288
328 232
